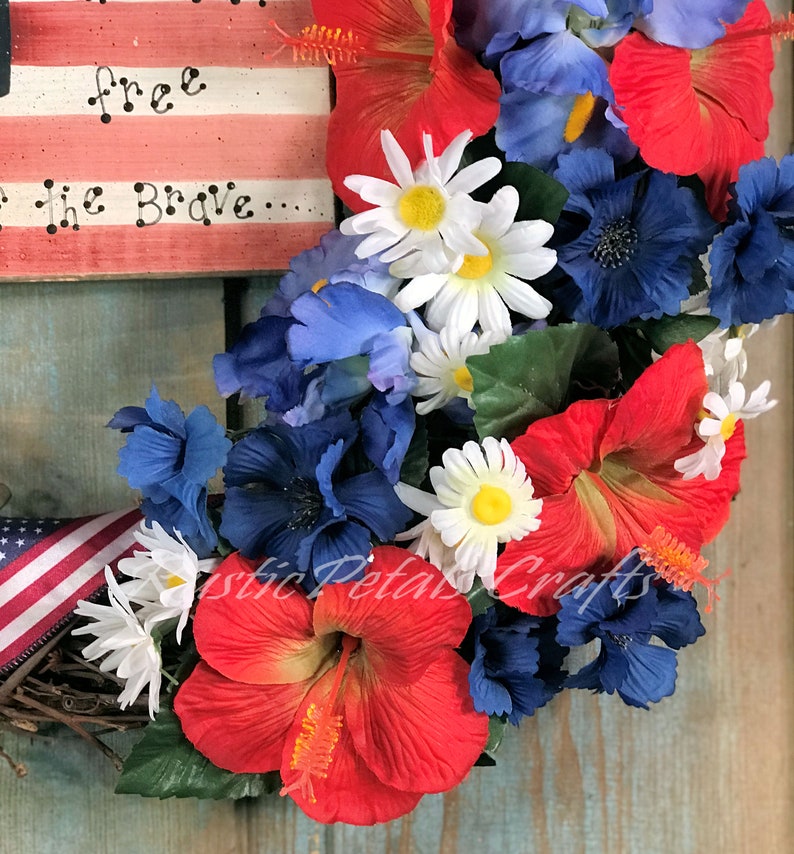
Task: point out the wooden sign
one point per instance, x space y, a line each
159 137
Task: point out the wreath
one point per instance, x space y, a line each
499 412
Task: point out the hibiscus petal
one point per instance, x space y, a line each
347 791
238 727
257 633
425 735
399 642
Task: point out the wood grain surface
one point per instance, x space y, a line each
707 770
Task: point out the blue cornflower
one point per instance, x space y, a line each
332 262
171 459
629 245
516 666
291 497
624 613
345 320
752 261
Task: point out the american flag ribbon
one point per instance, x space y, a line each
46 566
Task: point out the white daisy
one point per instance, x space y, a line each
484 497
428 212
720 416
483 287
164 576
128 645
440 365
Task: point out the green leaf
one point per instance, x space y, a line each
663 333
635 354
479 598
538 374
415 463
541 196
164 764
497 725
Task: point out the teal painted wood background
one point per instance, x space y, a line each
708 770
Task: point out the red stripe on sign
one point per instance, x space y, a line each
150 35
147 148
109 251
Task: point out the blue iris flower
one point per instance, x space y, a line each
689 24
624 613
752 261
345 320
516 666
291 497
629 245
332 262
170 459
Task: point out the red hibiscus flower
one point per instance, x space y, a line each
604 470
357 697
698 111
411 76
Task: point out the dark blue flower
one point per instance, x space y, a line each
624 613
752 261
386 432
170 459
257 365
332 262
629 245
291 496
516 666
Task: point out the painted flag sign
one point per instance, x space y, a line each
46 566
159 137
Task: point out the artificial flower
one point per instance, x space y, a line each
685 24
703 111
440 366
409 75
516 666
605 472
171 459
484 286
126 643
344 321
289 497
165 574
428 213
386 433
717 425
357 697
752 260
485 498
623 614
627 244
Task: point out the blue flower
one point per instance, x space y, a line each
170 459
345 320
689 24
629 245
624 613
516 666
752 261
291 496
257 365
332 262
386 433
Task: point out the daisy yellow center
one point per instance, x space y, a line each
475 266
580 115
174 581
319 285
463 378
491 505
422 208
728 426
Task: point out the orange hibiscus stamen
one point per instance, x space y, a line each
314 746
678 564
